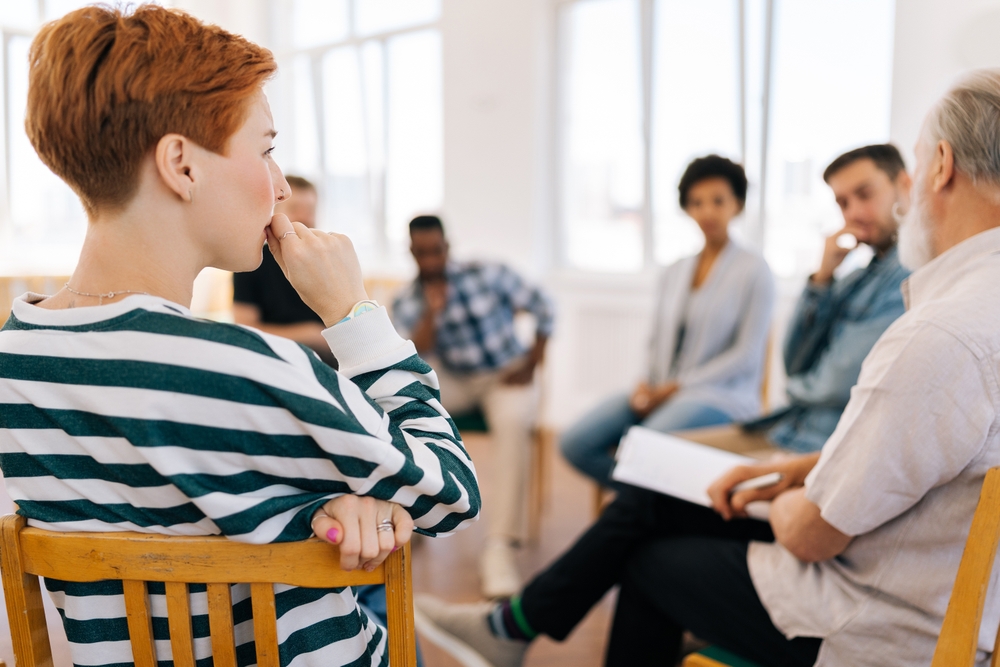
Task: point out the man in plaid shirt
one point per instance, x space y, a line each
460 316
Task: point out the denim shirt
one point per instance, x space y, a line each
833 329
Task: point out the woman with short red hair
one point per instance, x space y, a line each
119 410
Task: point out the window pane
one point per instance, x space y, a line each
831 92
57 8
22 14
346 197
696 107
382 15
305 134
414 165
42 206
316 22
602 136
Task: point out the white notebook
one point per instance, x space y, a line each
677 467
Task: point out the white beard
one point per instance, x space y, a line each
915 248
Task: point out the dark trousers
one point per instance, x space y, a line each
680 567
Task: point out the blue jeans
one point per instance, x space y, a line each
588 444
372 600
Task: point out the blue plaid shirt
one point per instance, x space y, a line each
475 331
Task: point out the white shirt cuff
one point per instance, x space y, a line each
363 339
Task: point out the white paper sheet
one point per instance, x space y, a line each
676 467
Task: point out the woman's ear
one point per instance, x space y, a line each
175 158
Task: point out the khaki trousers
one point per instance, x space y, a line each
732 439
511 413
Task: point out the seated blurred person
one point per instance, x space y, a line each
265 300
837 320
712 315
460 316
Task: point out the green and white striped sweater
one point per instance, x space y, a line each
138 416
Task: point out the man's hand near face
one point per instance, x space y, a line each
435 300
435 296
833 256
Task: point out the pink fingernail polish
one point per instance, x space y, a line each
394 550
332 534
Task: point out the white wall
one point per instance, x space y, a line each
935 41
496 128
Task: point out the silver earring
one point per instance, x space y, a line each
898 214
190 196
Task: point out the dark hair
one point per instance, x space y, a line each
885 156
713 166
299 183
423 223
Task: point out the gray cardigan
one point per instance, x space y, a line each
722 360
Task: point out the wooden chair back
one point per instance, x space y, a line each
137 558
959 639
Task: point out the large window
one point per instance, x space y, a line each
357 102
358 105
647 85
39 215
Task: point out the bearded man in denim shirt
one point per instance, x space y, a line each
837 320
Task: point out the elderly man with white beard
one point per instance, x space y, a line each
857 562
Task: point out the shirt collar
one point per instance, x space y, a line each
937 276
25 310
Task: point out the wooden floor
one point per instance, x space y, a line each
448 567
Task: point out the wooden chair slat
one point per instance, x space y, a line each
193 559
399 608
959 639
265 624
140 623
220 624
23 594
179 619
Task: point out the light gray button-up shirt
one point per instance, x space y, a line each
902 473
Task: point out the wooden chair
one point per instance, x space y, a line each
959 638
137 558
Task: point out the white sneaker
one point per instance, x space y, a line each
498 573
463 631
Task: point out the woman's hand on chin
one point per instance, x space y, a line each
321 266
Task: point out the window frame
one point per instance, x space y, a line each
754 157
285 54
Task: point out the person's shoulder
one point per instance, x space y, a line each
968 309
232 335
750 257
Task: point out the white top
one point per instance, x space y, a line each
902 473
726 321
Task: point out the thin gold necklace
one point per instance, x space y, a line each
101 297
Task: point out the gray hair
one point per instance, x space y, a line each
968 118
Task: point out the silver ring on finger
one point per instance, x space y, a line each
286 234
385 525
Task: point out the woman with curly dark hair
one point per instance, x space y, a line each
707 349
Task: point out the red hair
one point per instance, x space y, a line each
106 84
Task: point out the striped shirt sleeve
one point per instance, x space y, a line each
374 428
